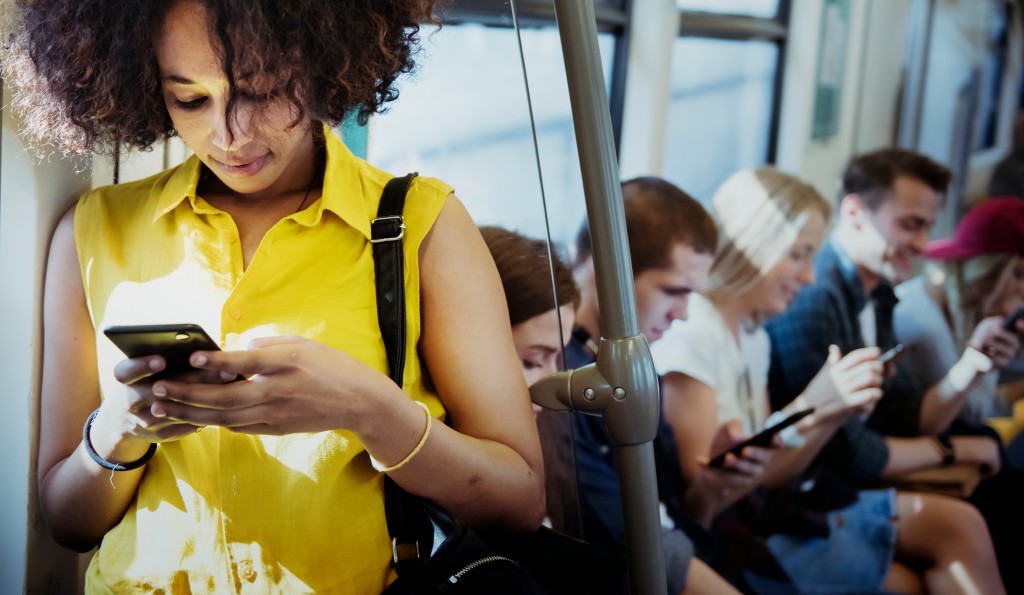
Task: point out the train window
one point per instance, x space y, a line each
464 118
992 72
753 8
720 112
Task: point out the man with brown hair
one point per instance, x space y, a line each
889 201
672 243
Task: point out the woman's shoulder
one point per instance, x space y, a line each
424 190
130 198
351 174
696 340
703 325
702 320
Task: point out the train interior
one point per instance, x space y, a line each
697 89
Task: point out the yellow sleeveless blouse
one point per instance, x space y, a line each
220 512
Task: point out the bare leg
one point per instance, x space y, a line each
948 539
902 579
702 580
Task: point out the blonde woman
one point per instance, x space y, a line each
715 370
953 314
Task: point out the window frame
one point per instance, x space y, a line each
613 16
732 27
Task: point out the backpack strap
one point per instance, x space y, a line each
408 526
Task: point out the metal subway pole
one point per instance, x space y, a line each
628 396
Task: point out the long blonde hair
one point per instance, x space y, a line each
759 214
968 285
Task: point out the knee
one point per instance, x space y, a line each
958 521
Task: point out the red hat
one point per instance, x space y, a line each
993 226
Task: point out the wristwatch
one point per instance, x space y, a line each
945 447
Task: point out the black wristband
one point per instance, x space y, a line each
105 463
947 450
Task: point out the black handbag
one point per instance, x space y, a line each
432 551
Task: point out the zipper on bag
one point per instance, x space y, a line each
459 574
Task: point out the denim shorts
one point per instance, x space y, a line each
856 555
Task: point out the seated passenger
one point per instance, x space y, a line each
716 369
541 325
542 320
952 316
890 199
671 243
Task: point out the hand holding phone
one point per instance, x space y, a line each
895 354
174 342
1010 324
762 439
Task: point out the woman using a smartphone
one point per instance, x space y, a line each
957 311
715 370
274 483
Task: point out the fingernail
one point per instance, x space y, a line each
155 364
199 360
158 411
227 376
160 390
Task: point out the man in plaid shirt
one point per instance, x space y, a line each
890 200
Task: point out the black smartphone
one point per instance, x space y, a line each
175 342
1010 323
895 353
762 438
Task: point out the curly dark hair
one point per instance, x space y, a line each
86 76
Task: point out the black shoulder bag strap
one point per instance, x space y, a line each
386 233
407 523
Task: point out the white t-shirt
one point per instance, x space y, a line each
703 348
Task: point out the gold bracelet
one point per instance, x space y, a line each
415 450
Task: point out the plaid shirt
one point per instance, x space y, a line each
825 313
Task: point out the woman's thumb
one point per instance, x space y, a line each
834 355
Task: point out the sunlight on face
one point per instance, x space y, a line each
774 292
897 232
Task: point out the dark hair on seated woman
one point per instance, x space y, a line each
88 80
526 274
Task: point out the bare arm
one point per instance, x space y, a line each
914 454
491 454
486 468
992 347
691 410
788 463
80 500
